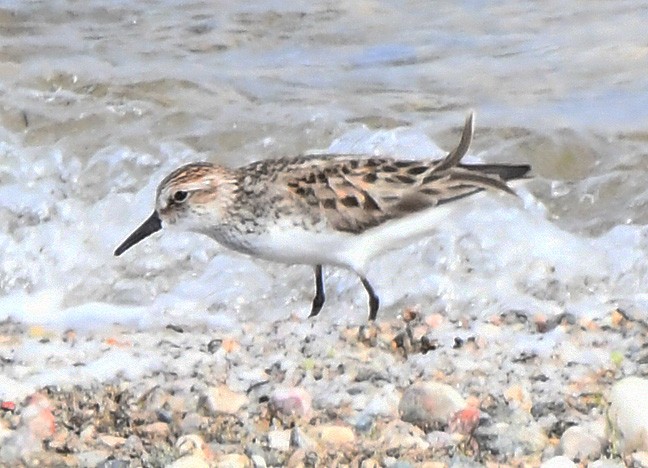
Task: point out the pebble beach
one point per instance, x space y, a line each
416 391
514 334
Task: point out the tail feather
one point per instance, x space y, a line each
465 179
453 158
503 171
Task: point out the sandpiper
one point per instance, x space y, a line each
335 209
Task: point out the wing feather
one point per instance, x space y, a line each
354 194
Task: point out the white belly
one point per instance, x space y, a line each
295 245
298 246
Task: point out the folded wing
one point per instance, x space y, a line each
355 194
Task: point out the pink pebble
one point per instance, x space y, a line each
38 418
464 421
291 401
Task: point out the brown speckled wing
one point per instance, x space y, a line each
348 201
355 194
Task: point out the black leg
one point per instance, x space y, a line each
318 300
374 302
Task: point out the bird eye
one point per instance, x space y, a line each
180 196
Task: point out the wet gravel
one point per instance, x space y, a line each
303 393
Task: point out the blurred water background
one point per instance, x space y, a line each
99 100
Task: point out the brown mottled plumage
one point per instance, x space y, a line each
333 209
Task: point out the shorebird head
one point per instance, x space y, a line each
192 198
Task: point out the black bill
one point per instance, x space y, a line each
148 227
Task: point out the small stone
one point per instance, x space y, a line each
335 435
190 443
176 404
530 438
189 461
5 432
432 464
628 415
434 320
112 441
37 417
464 421
291 401
364 422
8 406
401 435
640 459
430 403
369 463
296 460
607 463
222 400
519 434
59 440
164 415
230 345
39 332
300 440
418 331
92 458
558 462
400 464
191 423
402 341
617 317
233 460
69 336
194 444
279 440
214 345
258 461
541 323
518 397
156 429
410 314
367 334
88 434
134 445
114 464
428 343
440 440
579 444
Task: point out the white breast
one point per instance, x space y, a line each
295 245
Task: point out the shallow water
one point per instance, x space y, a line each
99 103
